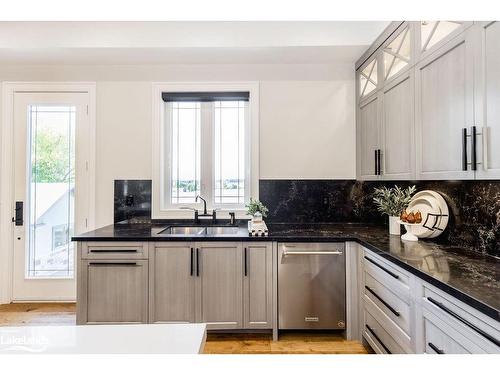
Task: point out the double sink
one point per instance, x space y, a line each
198 230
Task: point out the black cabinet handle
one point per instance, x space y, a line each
197 262
487 336
473 155
113 251
464 149
395 312
245 254
379 162
435 348
382 268
191 261
376 163
113 264
376 337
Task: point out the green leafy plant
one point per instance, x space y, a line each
256 206
392 201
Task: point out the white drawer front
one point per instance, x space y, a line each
394 307
388 275
380 340
470 323
439 338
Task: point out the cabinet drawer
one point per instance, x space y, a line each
378 338
387 274
478 328
394 307
439 338
114 250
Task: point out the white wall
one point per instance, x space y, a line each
307 126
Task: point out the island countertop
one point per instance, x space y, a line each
469 276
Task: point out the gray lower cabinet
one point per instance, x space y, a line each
113 291
257 285
219 285
172 283
228 285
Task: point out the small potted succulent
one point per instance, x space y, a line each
256 209
391 202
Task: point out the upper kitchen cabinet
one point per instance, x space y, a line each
396 52
368 78
431 35
444 111
368 138
397 154
487 97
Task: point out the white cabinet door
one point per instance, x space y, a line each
444 110
257 285
368 138
487 109
219 268
172 283
397 129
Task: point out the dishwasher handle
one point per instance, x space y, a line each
285 253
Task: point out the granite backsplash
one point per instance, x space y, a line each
474 206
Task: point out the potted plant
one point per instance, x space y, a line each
256 209
392 201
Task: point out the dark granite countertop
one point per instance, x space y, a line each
469 276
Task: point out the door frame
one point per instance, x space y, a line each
9 89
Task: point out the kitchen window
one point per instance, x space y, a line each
205 142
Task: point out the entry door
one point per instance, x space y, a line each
51 141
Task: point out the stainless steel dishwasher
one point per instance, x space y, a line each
311 286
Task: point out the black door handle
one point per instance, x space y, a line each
382 268
372 331
192 262
376 163
464 149
379 161
246 261
392 309
473 156
197 262
19 214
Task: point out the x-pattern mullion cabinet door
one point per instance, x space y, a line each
432 35
487 98
444 107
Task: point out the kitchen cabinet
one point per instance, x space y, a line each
172 283
219 268
445 111
257 285
487 97
404 314
369 138
113 291
431 35
397 155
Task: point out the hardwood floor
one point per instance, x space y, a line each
217 343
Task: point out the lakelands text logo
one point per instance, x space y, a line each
22 343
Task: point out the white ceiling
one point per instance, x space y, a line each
185 42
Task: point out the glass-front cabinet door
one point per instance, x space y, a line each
433 34
396 55
368 78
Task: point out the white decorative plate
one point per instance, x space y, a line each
439 222
426 204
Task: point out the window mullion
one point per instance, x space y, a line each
207 152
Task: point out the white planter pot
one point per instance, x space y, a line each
394 226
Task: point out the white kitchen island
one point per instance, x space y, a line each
104 339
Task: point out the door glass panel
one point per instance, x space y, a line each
396 54
368 79
51 186
431 32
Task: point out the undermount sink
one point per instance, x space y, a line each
198 230
183 230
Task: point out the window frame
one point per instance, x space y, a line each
162 209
